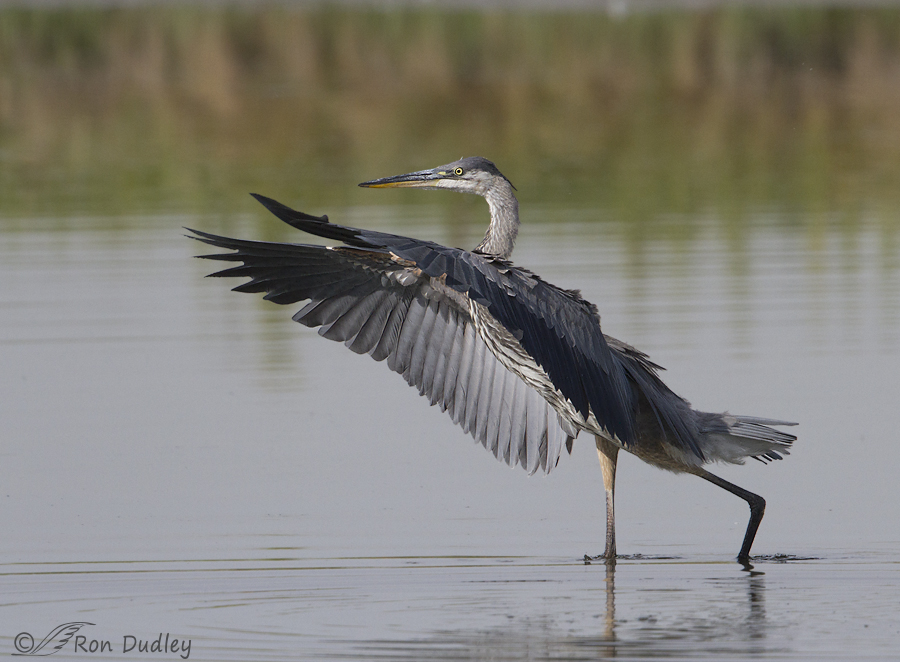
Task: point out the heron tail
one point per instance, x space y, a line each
730 438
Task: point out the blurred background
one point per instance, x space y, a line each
149 107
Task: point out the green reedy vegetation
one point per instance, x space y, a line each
168 108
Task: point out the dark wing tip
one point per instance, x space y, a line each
205 237
285 213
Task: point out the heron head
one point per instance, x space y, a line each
472 174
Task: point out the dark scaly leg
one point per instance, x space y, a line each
757 509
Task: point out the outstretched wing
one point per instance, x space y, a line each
558 329
378 303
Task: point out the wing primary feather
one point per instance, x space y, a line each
346 327
535 430
494 405
506 446
517 446
434 354
461 392
479 391
555 441
409 330
442 391
328 310
372 329
390 337
413 373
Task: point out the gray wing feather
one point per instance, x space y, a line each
554 448
409 330
329 310
504 431
434 341
415 372
482 404
536 427
359 298
387 346
373 328
517 438
477 367
444 369
495 410
463 370
348 325
566 425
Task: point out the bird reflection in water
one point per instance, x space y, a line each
668 611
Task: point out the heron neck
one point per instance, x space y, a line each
501 233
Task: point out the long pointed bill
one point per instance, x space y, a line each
420 179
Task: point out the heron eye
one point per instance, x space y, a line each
458 172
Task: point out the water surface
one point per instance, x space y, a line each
184 459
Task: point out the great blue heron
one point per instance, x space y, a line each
518 363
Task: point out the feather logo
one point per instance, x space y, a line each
52 643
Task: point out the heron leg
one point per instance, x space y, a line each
607 452
757 509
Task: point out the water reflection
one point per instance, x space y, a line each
474 608
427 608
677 625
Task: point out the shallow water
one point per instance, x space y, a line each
184 460
476 608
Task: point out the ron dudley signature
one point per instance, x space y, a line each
61 635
